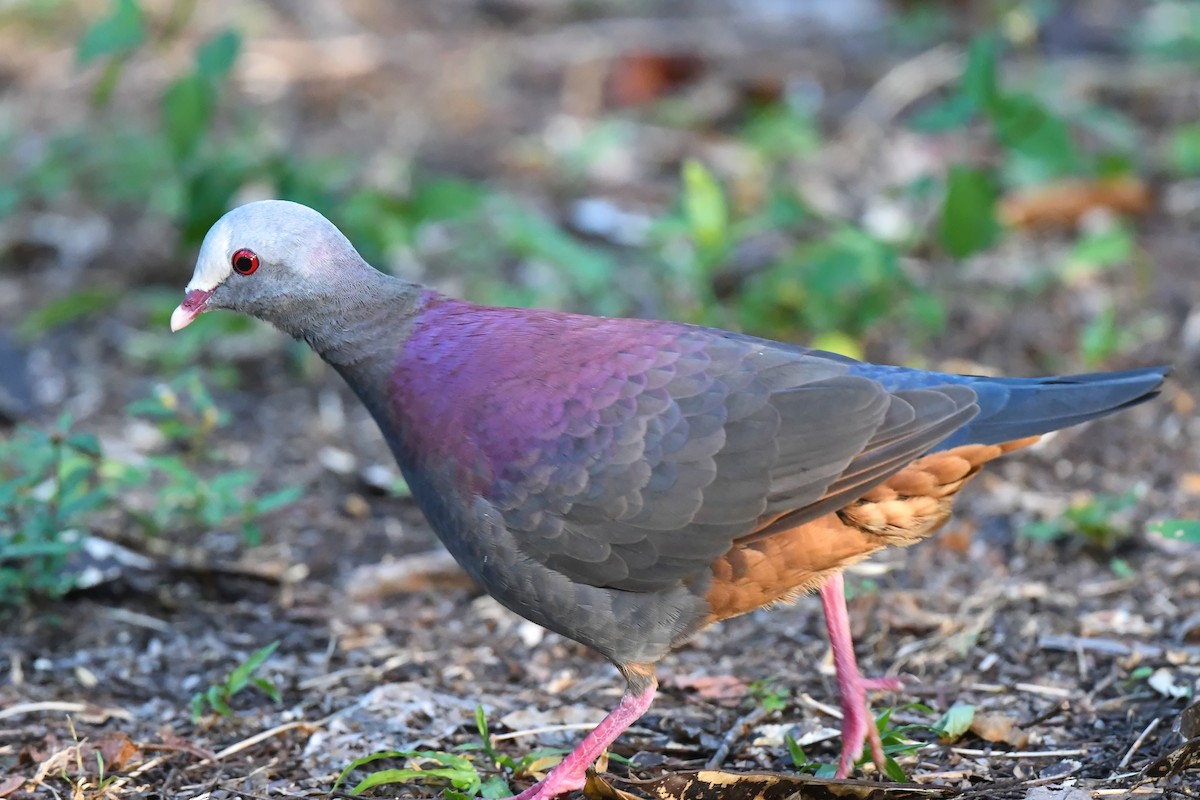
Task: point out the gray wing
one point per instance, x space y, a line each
699 440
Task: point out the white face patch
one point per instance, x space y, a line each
212 265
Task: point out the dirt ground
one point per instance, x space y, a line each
385 645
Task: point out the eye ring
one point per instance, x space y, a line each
244 262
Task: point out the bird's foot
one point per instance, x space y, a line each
571 772
552 786
858 724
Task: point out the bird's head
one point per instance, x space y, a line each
272 259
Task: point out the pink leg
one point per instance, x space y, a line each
570 774
858 725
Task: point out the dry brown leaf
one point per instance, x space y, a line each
1063 204
1182 758
10 784
118 752
727 690
716 784
435 570
641 78
956 538
1183 401
540 766
1188 723
597 788
997 727
1190 482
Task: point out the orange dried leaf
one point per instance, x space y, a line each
1064 203
641 78
10 784
995 727
723 689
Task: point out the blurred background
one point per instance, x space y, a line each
1003 185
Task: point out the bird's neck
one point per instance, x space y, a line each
359 326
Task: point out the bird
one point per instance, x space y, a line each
628 482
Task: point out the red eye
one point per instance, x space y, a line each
245 262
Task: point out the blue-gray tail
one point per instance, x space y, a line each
1013 408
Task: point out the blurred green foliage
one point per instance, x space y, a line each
50 486
1099 521
1180 530
1034 143
833 282
58 487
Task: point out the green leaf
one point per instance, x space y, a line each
1183 150
1100 249
67 309
881 722
980 84
277 499
197 706
267 688
1024 125
216 57
955 722
795 751
954 112
24 550
1044 530
1101 337
448 760
83 504
894 770
444 198
468 781
481 725
208 189
368 759
1141 673
216 699
1181 530
1120 567
187 107
927 311
780 132
495 788
968 220
241 674
118 33
527 233
85 443
704 205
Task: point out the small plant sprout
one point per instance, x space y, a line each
218 696
895 739
769 694
459 776
1098 521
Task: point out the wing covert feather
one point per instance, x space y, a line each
640 476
